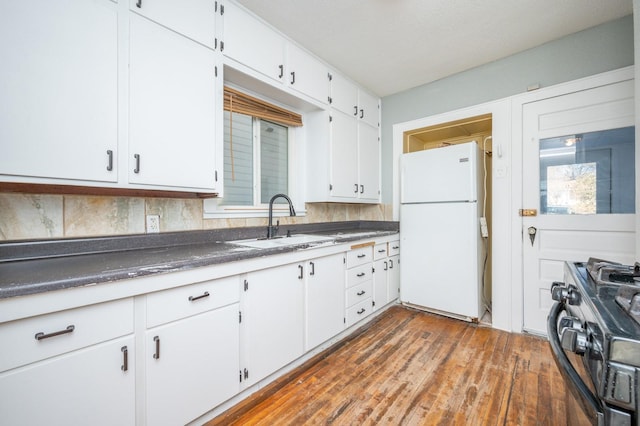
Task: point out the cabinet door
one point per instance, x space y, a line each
172 109
393 278
344 95
272 320
380 283
58 97
368 162
195 19
252 43
344 156
89 386
324 299
192 366
368 108
307 75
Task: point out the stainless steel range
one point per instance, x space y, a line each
594 332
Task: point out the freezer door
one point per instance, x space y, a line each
440 257
441 174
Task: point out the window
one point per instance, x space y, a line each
256 160
590 173
261 158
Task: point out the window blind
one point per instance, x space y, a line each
236 101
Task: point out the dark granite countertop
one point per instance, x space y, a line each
30 267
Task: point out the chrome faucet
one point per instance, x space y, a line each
271 231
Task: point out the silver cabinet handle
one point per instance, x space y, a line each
390 264
137 157
281 71
360 256
361 311
313 268
386 265
125 358
361 292
361 274
202 296
41 335
355 107
362 189
156 355
356 190
293 77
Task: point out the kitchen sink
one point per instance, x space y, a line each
294 240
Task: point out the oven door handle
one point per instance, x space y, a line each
565 366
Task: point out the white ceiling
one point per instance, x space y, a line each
392 45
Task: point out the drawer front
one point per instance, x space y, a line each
170 305
379 251
359 256
359 311
394 247
358 293
358 275
33 339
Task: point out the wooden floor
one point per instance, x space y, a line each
413 368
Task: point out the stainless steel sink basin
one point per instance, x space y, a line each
293 240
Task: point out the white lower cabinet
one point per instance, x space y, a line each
386 276
69 367
359 284
324 299
272 327
191 363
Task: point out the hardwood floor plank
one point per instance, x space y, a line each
413 368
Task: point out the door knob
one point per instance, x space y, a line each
532 234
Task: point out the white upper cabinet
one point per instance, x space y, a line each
368 109
172 109
195 19
306 74
59 90
252 43
344 95
368 162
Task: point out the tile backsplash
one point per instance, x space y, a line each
28 216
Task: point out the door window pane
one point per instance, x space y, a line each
589 173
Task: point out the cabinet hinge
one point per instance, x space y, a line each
344 320
221 9
373 270
329 76
246 374
215 43
240 376
330 187
216 175
240 316
221 46
329 99
344 260
373 303
330 119
215 7
215 73
246 285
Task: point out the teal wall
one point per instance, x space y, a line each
603 48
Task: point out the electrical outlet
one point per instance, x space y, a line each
484 230
153 223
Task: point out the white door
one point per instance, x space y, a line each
578 173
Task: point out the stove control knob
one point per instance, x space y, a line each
569 322
574 340
560 292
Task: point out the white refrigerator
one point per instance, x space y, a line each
440 236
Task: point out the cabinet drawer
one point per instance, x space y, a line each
358 275
359 311
170 305
359 292
359 256
32 339
379 251
394 247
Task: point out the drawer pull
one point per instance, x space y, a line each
361 274
313 268
157 354
301 276
361 292
360 256
361 311
382 250
395 247
386 265
390 264
41 335
125 358
202 296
